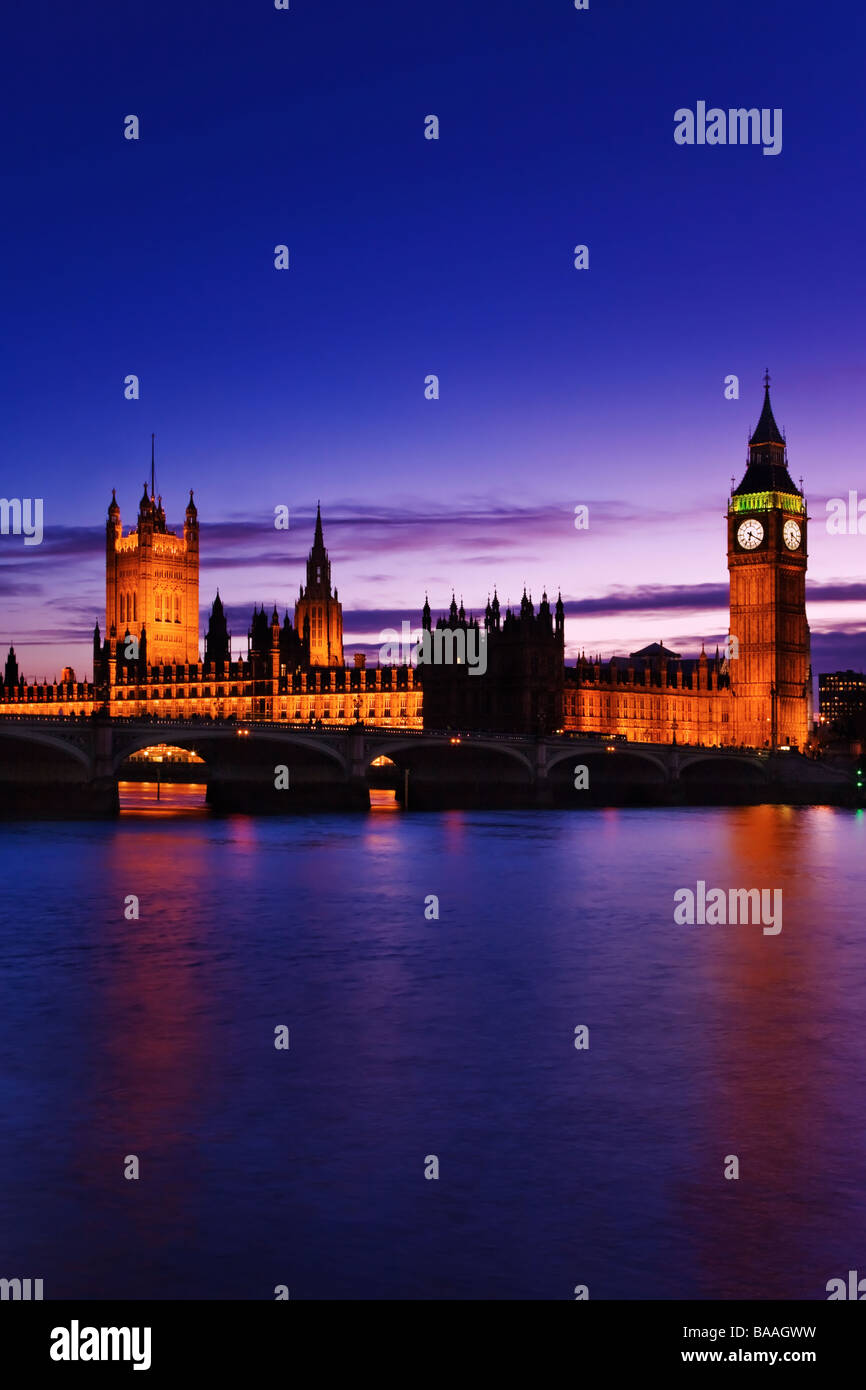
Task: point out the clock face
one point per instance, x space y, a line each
791 532
750 534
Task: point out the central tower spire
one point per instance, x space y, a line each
317 611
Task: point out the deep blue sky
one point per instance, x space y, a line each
407 257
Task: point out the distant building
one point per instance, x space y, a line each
842 702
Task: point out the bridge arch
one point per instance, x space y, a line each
197 740
723 778
393 749
578 750
721 756
43 739
459 771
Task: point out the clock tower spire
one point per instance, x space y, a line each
769 636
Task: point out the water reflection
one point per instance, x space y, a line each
384 799
163 798
416 1033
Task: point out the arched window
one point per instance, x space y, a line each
135 608
122 607
158 608
177 608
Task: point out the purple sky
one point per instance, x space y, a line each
408 257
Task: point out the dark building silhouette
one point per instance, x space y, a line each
12 676
218 639
503 676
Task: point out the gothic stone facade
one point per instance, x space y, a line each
148 663
151 581
758 694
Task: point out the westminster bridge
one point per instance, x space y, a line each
63 765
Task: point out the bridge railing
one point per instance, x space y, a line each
205 722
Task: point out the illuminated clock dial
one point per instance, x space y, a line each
791 532
750 534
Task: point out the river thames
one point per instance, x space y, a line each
413 1036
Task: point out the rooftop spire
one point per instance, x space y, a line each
318 564
152 482
766 430
767 469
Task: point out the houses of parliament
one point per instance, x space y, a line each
148 662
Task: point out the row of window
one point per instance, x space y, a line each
630 706
163 608
340 713
166 608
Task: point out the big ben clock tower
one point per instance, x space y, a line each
769 652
